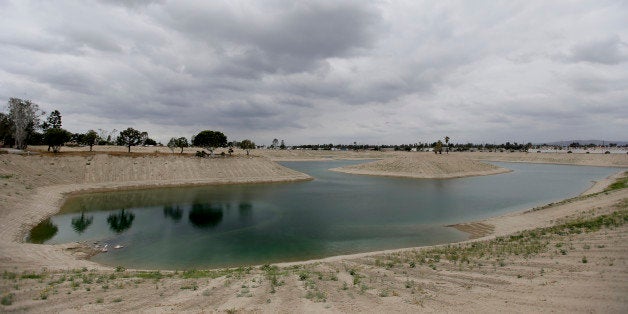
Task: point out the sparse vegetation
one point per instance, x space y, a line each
619 184
7 299
526 244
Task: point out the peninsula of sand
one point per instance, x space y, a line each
424 166
570 256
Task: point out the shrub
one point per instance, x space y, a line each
7 299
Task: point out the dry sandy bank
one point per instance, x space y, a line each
425 166
606 160
610 160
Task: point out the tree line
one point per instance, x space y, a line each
25 124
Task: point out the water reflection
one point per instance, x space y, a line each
79 224
245 210
206 215
176 213
121 221
43 232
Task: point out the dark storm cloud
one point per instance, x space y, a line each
323 71
286 38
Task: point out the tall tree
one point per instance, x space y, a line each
54 119
130 137
247 145
275 144
209 140
283 145
24 114
90 138
53 122
447 142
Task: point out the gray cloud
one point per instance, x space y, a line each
605 51
324 71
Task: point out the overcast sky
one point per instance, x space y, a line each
324 71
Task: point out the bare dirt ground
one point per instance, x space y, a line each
521 262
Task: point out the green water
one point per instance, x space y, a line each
214 226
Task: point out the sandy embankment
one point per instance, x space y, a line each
424 166
575 273
602 160
34 187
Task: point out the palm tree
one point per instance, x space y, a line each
447 142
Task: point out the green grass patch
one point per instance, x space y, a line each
31 276
197 273
619 184
157 275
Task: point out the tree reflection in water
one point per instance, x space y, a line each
43 232
176 213
121 221
205 215
245 210
79 224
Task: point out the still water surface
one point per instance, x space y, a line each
213 226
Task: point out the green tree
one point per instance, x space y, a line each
55 138
209 140
130 137
447 142
438 149
90 138
150 141
283 145
247 145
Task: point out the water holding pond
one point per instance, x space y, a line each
336 213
